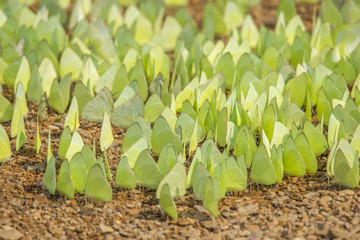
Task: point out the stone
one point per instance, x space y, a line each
200 209
252 227
131 206
209 225
280 200
348 192
56 231
248 209
270 196
322 203
327 198
87 209
244 233
312 195
105 229
337 232
10 234
183 222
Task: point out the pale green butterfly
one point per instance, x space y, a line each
89 156
20 99
5 150
106 136
72 117
15 120
125 176
49 176
83 96
294 164
70 62
78 172
195 161
64 143
262 169
200 178
153 107
162 134
236 174
21 135
132 135
107 168
76 144
134 151
147 171
316 139
65 184
210 199
276 157
167 202
306 152
6 109
176 179
167 158
123 116
96 186
37 137
49 151
94 110
60 94
346 172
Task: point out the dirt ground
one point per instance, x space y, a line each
310 207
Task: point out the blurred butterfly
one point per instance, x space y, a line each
43 107
157 84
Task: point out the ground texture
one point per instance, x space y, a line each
310 207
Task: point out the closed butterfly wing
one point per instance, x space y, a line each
167 158
262 169
75 146
124 115
6 109
96 186
106 136
89 157
65 184
125 176
64 143
176 180
78 172
60 94
167 202
162 134
146 171
315 138
236 175
94 110
344 173
50 175
132 135
21 135
306 152
5 150
72 117
43 107
294 164
210 199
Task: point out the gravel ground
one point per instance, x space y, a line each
309 207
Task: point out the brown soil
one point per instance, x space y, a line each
265 13
309 207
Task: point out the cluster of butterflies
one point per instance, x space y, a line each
253 96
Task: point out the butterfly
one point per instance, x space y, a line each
43 107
